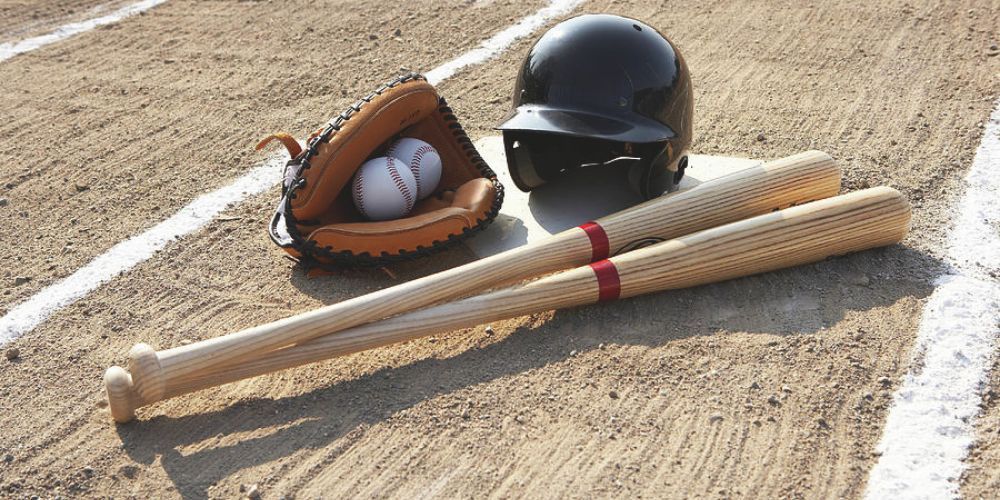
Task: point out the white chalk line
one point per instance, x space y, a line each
11 49
500 41
931 424
27 315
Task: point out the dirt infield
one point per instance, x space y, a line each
769 386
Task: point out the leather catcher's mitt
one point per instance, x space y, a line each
316 221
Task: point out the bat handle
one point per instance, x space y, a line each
144 386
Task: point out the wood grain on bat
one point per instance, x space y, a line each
809 233
785 182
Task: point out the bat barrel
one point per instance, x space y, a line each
774 185
794 236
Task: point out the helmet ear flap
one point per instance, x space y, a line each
521 163
652 176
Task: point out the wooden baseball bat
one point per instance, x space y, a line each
794 236
774 185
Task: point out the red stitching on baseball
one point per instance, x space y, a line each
398 181
418 156
359 196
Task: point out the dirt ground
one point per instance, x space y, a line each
769 386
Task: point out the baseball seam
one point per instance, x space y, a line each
400 184
359 194
418 158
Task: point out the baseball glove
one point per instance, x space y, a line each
316 221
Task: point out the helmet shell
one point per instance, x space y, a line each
605 77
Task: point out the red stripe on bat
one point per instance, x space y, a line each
609 286
599 243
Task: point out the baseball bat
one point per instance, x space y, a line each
774 185
794 236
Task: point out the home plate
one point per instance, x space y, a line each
588 195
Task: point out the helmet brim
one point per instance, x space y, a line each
575 123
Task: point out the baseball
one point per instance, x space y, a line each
423 160
384 189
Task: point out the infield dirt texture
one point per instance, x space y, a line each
771 386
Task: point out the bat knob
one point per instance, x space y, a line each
147 374
121 396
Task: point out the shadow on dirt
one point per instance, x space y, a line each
335 285
790 302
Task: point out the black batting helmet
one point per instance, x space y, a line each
601 89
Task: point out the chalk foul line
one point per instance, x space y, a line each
27 315
133 251
931 424
11 49
500 41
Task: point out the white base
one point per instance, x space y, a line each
594 193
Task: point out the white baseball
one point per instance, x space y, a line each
423 160
384 189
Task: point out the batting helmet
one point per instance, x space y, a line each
601 89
